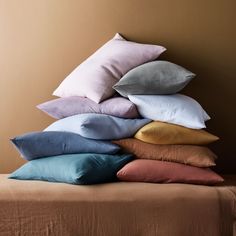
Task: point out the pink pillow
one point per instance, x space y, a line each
95 77
167 172
63 107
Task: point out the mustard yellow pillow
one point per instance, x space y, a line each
164 133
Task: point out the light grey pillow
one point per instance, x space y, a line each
157 77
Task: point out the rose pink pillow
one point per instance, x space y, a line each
167 172
70 106
95 77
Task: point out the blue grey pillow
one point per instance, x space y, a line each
99 126
157 77
73 168
41 144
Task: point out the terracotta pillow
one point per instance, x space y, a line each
164 133
167 172
187 154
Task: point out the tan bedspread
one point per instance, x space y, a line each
116 209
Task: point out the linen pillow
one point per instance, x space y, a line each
95 77
167 172
186 154
157 77
41 144
73 168
99 126
175 109
69 106
164 133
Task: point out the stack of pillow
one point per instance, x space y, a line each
159 129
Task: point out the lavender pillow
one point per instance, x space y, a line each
95 77
69 106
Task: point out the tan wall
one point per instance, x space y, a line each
41 41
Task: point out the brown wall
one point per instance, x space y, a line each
41 41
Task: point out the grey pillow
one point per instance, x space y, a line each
157 77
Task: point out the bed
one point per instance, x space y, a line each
116 209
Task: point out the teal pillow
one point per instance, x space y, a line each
86 168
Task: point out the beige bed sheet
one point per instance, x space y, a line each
29 208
